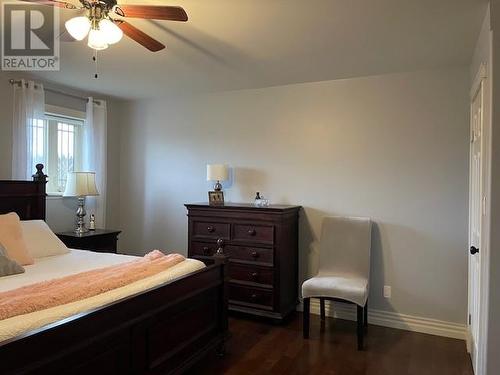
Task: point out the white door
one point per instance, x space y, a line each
475 221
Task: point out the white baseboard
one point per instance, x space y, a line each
392 320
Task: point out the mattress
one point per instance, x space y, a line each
77 261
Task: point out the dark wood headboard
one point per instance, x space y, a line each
26 198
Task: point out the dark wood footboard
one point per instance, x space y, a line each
162 331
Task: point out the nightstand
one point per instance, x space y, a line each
99 240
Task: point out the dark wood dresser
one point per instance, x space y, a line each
262 245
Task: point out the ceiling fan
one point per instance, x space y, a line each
105 23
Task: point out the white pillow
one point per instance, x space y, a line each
40 240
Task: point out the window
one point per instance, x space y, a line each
57 143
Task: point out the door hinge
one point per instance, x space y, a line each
470 320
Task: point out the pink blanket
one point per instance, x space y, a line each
46 294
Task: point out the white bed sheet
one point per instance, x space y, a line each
74 262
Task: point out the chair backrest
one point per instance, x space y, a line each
345 246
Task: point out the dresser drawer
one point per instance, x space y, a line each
253 296
202 248
206 229
253 233
250 254
240 272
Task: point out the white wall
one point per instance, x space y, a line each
392 147
61 211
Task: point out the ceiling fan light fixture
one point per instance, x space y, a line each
112 33
78 27
97 40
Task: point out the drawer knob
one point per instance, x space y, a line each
205 249
211 229
220 244
253 296
254 275
255 254
252 232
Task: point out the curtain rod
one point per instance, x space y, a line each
18 82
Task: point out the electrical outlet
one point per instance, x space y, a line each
387 291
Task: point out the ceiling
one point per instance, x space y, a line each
238 44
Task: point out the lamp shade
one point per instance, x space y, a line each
78 27
80 184
112 32
97 40
217 172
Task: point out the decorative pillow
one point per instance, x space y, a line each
12 239
8 267
40 240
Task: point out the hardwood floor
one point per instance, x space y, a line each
258 347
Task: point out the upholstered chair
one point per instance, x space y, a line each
344 269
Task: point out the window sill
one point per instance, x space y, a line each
54 195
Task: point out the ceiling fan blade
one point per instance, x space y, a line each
154 12
54 3
140 37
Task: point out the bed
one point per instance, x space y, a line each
160 329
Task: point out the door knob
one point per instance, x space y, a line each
474 250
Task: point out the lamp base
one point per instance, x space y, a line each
80 215
218 186
81 231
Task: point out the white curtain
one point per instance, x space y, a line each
94 156
28 146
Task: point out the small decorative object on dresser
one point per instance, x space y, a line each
262 245
100 240
260 201
81 185
92 222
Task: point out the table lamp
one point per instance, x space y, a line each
217 172
81 185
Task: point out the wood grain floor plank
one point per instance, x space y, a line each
259 347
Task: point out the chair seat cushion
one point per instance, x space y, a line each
353 289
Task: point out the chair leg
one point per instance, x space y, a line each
360 327
305 327
322 307
365 310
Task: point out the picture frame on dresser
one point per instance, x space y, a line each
216 198
262 246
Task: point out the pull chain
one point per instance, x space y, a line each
94 58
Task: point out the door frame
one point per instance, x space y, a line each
481 82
